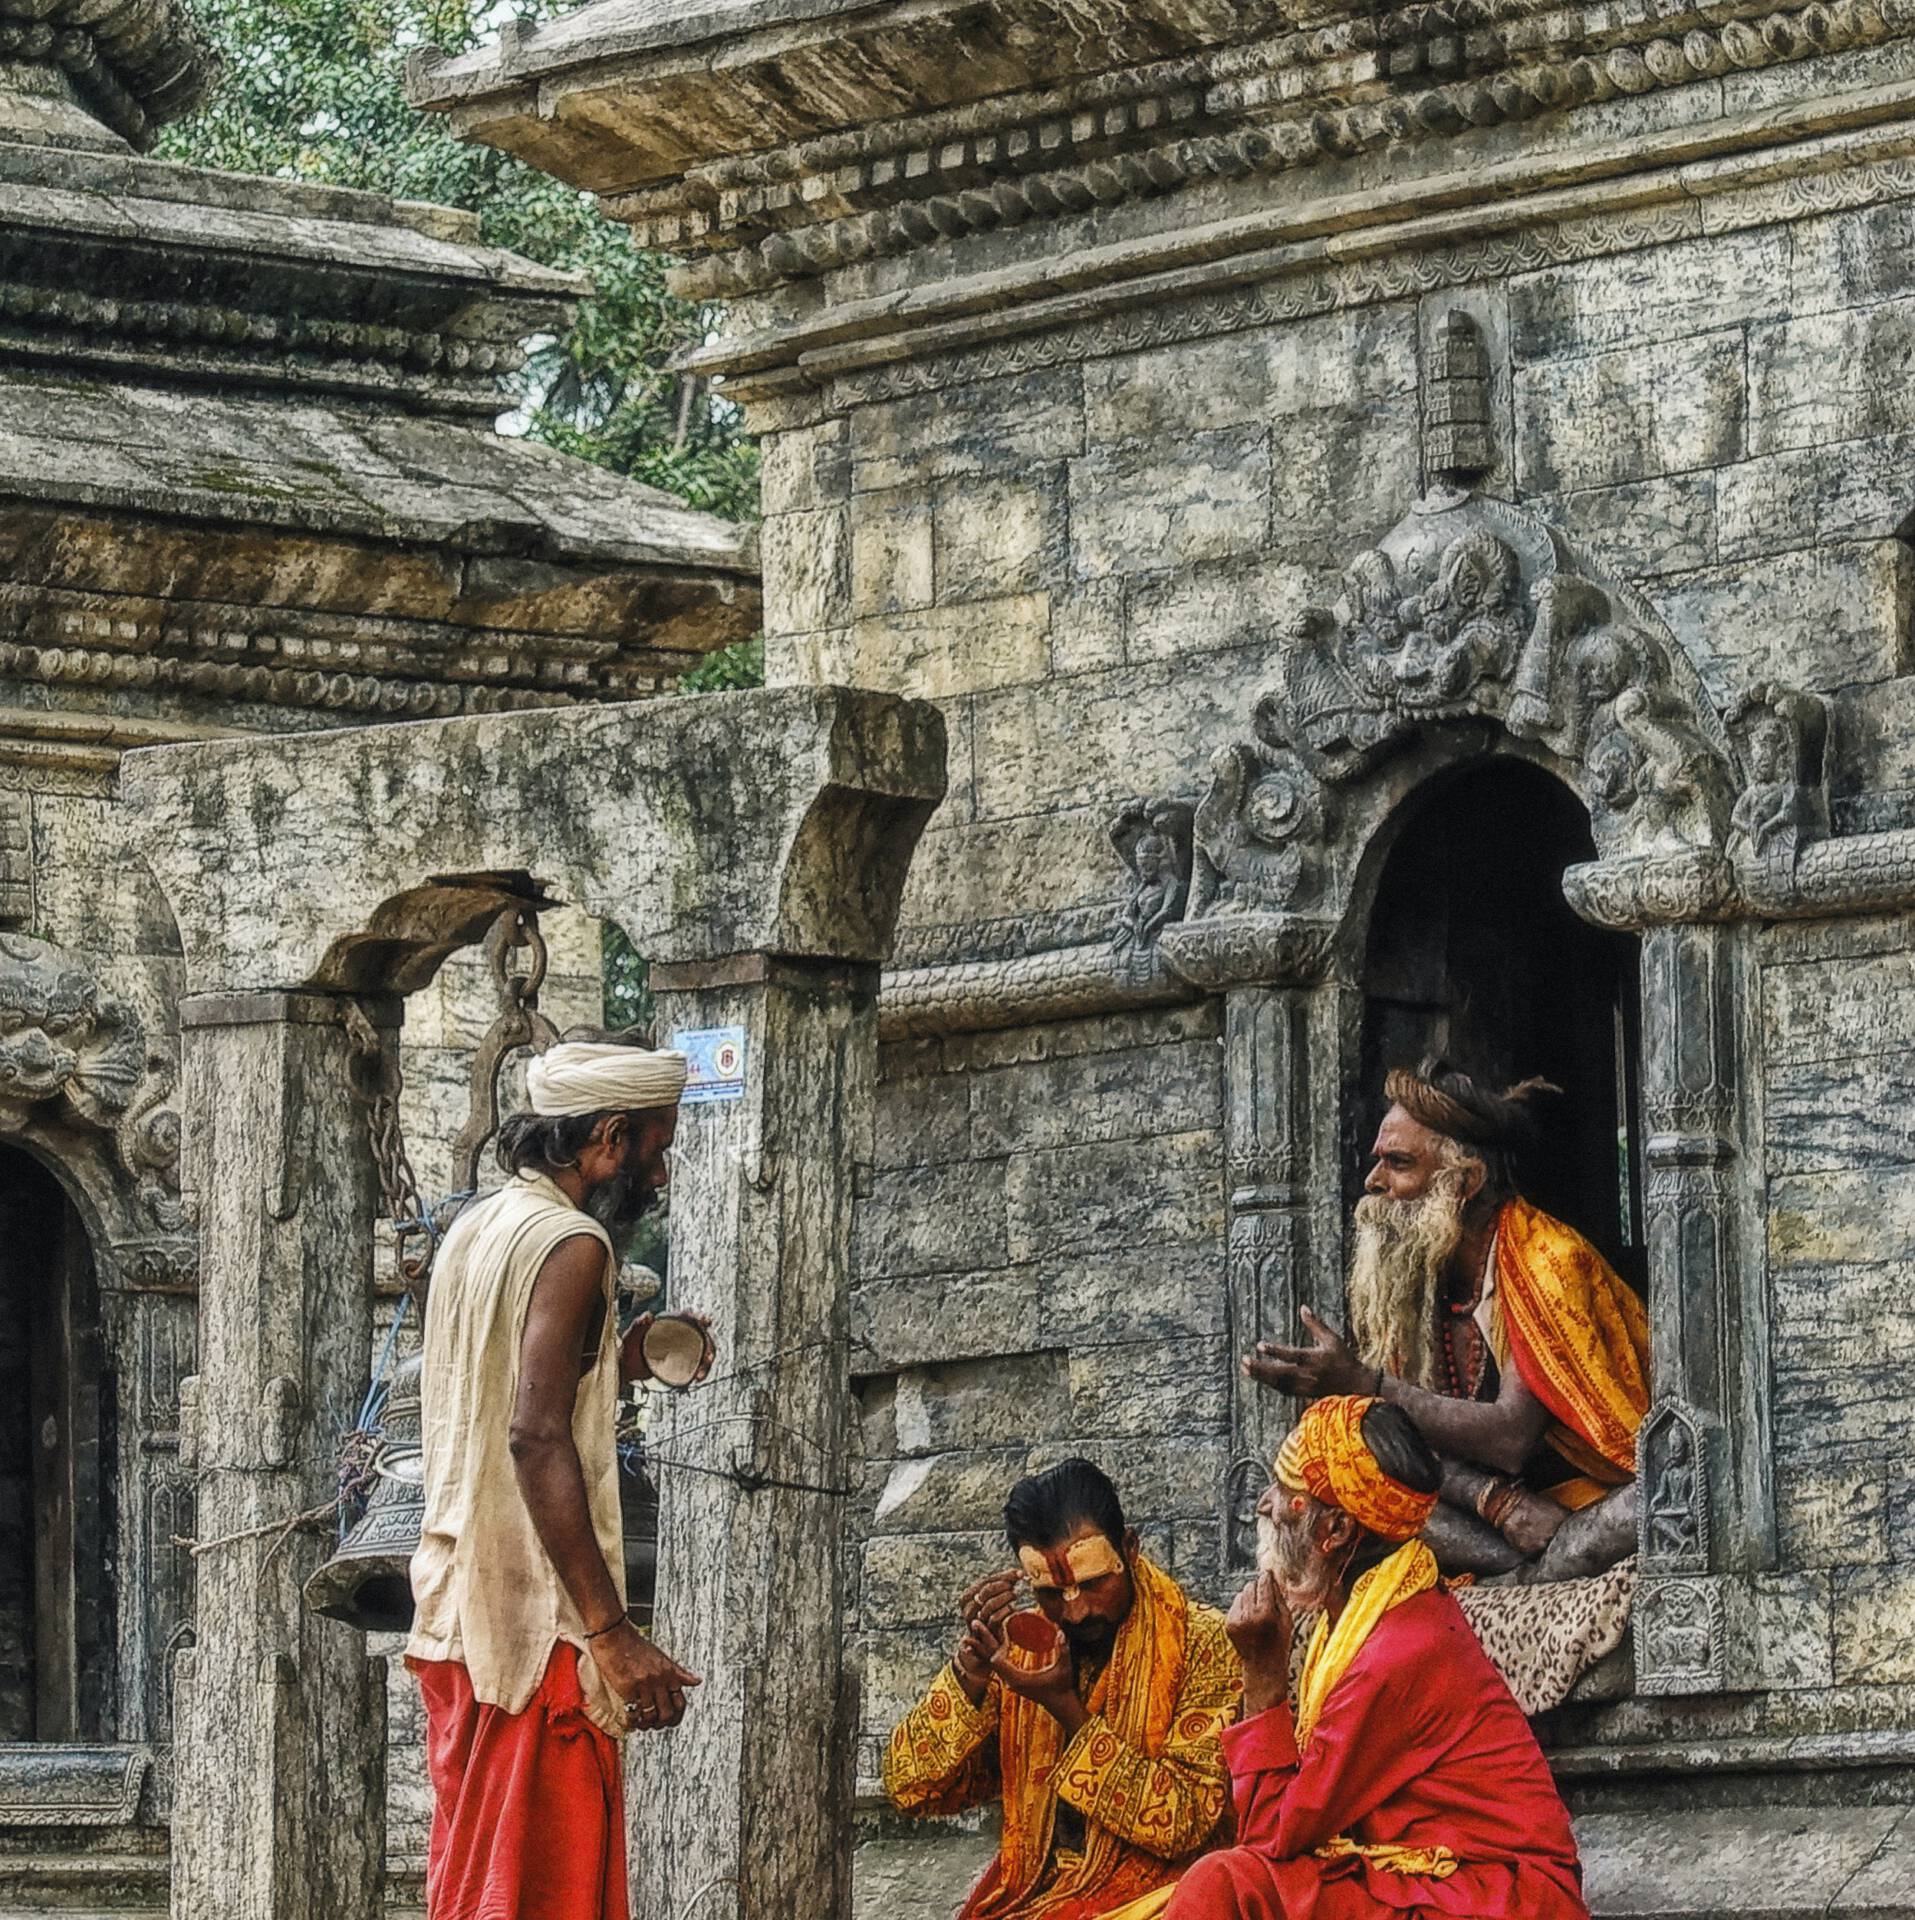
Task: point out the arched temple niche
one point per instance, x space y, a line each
57 1495
1475 648
1472 951
97 1266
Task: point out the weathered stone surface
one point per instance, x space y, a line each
1078 1197
1207 500
1858 387
1855 596
989 1403
1132 1295
915 1579
1002 426
921 1877
1630 413
947 1492
304 903
942 651
890 552
998 534
1814 496
1659 293
1130 1095
1121 731
925 1318
1168 1387
932 1219
806 554
1873 1609
1217 607
1646 528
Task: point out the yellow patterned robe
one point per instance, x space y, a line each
1146 1771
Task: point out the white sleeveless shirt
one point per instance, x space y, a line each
485 1591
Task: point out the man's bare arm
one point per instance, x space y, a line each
567 1297
1499 1434
568 1302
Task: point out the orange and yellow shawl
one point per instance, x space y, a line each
1146 1771
1580 1340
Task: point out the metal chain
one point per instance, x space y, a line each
379 1084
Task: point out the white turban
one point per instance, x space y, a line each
579 1076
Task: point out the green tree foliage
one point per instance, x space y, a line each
313 90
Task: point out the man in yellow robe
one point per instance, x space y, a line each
1520 1354
1096 1717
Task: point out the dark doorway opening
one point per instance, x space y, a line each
1474 953
56 1642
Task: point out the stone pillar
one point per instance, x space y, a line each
1704 1453
1267 1153
745 1809
279 1799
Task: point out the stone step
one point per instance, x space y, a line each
1751 1863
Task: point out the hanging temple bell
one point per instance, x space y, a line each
367 1582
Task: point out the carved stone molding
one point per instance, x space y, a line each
1631 894
1234 949
74 1056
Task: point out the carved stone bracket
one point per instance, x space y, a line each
74 1056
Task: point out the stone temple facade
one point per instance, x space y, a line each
1405 509
251 488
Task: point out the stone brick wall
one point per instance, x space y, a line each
1035 1277
1084 563
1838 1014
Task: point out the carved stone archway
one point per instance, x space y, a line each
1475 629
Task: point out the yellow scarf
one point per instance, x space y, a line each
1410 1570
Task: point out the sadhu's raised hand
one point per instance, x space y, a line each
1261 1629
1052 1684
977 1648
1328 1365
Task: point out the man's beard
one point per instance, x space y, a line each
1304 1577
1093 1639
1397 1272
619 1203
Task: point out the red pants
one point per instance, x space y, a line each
528 1818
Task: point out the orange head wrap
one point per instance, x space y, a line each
1325 1457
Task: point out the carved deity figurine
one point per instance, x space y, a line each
1153 839
1784 736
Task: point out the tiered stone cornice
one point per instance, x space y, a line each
1420 74
134 64
917 149
153 269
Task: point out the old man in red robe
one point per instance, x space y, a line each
1405 1781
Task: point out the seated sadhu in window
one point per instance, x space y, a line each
1509 1341
1405 1784
1097 1717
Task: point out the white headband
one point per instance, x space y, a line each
579 1076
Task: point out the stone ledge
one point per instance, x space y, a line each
1754 1863
1744 1863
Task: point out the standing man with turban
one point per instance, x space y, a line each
1519 1353
1406 1782
529 1667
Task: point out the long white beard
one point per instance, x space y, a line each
1398 1265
